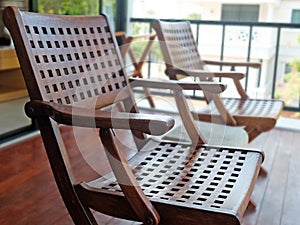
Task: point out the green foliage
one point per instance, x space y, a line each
289 89
109 7
69 7
139 45
140 28
194 16
295 65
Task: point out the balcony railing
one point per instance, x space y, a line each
275 45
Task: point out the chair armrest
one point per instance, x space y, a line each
235 76
178 85
135 36
141 36
119 33
205 74
233 64
89 117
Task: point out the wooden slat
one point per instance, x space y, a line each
270 147
270 212
291 206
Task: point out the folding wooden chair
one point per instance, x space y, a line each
182 58
73 71
212 133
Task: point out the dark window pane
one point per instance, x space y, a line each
295 16
240 13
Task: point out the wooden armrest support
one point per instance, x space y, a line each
140 36
127 180
135 36
228 63
178 85
205 74
84 117
236 76
119 33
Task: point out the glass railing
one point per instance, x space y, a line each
275 45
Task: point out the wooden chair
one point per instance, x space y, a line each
212 133
73 71
182 59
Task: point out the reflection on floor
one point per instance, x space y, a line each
12 115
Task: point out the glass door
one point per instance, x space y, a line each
13 94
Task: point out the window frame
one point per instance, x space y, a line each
240 9
295 18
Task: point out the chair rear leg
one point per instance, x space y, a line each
84 217
263 171
252 132
251 204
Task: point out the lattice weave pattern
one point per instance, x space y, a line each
203 177
72 62
181 45
253 107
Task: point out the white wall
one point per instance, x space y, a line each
164 9
270 10
283 12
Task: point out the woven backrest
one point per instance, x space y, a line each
178 44
72 60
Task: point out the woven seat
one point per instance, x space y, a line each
262 113
183 60
75 76
198 179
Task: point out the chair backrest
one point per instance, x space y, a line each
69 65
180 51
71 61
178 45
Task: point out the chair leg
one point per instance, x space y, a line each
84 217
90 215
149 97
252 133
263 172
252 205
